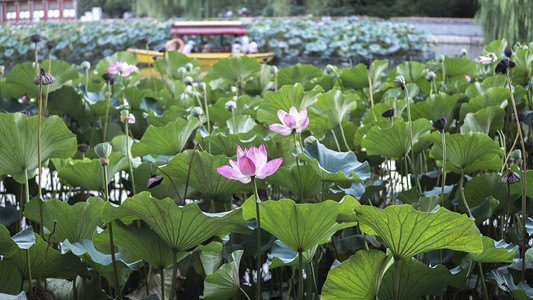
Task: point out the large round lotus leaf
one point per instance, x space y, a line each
203 175
302 181
436 106
300 226
298 73
358 277
408 232
417 280
285 98
393 142
182 227
280 255
486 120
22 76
355 78
329 111
18 143
68 101
233 69
412 71
497 96
10 244
74 222
173 60
472 151
496 251
456 66
225 282
88 173
168 140
334 166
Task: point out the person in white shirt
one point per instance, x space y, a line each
187 49
252 47
245 42
236 47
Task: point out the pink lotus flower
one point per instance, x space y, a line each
250 163
490 58
122 69
291 121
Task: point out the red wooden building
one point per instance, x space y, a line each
18 11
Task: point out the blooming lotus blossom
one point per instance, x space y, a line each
250 163
122 69
490 58
291 121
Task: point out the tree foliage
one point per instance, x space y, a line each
510 20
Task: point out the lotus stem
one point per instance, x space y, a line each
29 272
371 92
107 110
246 295
336 140
300 276
410 124
462 192
27 189
258 218
524 181
207 114
113 259
485 292
39 192
300 187
48 86
174 275
46 253
162 274
443 168
126 128
344 136
396 278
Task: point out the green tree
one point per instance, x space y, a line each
507 19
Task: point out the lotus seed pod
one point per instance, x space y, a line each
508 52
196 112
399 82
188 80
84 148
188 67
35 38
492 56
103 150
274 71
309 140
430 76
440 124
367 62
104 161
464 52
504 65
44 78
525 47
231 105
440 58
181 71
202 87
50 46
85 65
511 177
389 113
154 181
330 69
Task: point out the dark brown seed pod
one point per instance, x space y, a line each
367 62
44 78
35 38
83 148
154 181
389 113
145 40
503 65
511 177
50 46
440 124
108 76
508 52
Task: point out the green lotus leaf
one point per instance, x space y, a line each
300 226
358 277
456 66
481 88
285 98
298 73
98 103
329 111
497 47
355 78
521 291
168 140
173 60
203 175
22 75
227 143
472 151
492 97
496 251
18 143
74 222
100 262
56 265
281 255
479 188
170 114
408 232
486 120
417 280
10 280
88 173
67 101
393 142
524 61
483 211
529 255
9 214
516 189
183 228
245 103
225 282
334 166
22 240
135 96
436 106
242 124
233 69
306 188
412 71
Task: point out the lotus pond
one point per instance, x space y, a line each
369 182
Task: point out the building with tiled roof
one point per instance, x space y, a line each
17 11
